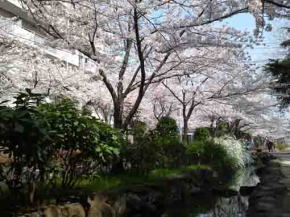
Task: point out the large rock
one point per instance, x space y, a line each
100 208
67 210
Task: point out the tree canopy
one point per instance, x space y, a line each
280 70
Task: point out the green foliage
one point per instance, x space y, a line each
217 157
172 150
281 147
139 130
143 155
196 149
25 136
236 150
57 139
222 129
167 127
108 182
160 147
59 145
72 129
202 133
210 153
81 142
166 137
110 142
280 69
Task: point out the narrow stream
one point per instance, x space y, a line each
212 205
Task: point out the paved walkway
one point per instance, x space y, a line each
284 160
271 198
277 201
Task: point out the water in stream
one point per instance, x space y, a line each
216 206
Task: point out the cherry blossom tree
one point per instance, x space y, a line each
24 66
215 76
254 112
134 43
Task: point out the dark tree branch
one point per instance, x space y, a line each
108 85
142 70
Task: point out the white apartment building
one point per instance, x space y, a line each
15 21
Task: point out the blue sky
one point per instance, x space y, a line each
270 46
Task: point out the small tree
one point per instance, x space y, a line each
81 143
166 137
202 134
25 137
138 130
167 126
52 142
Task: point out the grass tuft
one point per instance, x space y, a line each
104 182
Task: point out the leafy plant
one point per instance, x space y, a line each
138 130
222 128
217 157
196 150
81 142
25 137
202 133
172 150
281 147
53 143
235 149
167 127
280 70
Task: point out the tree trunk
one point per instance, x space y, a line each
236 130
185 130
118 114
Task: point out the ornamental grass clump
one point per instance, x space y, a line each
210 153
235 150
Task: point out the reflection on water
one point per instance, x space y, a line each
214 206
211 206
244 177
228 207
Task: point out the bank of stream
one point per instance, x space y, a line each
197 193
230 201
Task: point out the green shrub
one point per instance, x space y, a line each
138 130
217 157
159 148
167 126
172 150
81 142
143 155
236 150
196 150
166 137
202 133
222 129
210 153
281 147
53 142
26 137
